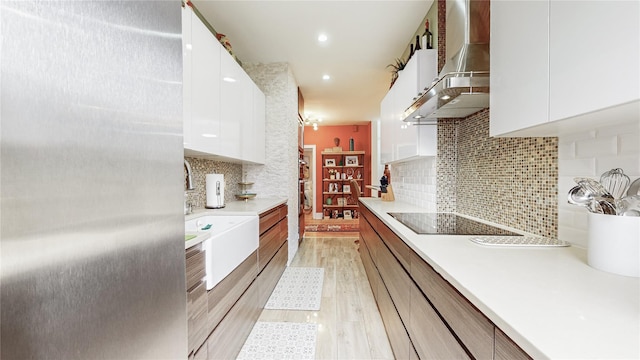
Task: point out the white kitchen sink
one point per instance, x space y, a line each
231 240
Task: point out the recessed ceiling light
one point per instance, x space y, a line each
446 97
322 37
229 79
326 77
209 135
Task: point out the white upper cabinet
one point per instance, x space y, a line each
399 140
224 111
201 85
558 66
594 51
236 105
387 108
519 68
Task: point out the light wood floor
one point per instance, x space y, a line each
349 324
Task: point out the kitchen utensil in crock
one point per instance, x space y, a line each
634 188
593 188
577 196
629 206
616 182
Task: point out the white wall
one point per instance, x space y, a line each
589 154
279 175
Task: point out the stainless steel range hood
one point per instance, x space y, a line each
462 87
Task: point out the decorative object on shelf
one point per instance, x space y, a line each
346 188
225 42
335 214
385 187
418 47
395 69
336 141
352 144
358 175
330 162
244 193
341 202
329 201
347 214
350 174
351 160
427 37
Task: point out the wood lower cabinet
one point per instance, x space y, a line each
431 337
473 329
506 349
425 316
196 298
396 280
225 294
271 241
396 331
228 337
268 278
226 314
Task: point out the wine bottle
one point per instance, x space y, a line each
427 37
418 47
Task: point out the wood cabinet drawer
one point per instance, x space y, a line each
396 332
506 349
396 280
227 339
225 294
369 268
369 237
429 334
272 217
470 325
397 246
197 316
196 266
269 277
271 241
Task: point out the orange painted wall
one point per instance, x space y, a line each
323 138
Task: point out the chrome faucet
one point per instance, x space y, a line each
189 177
187 206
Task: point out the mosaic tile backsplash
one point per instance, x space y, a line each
509 181
200 168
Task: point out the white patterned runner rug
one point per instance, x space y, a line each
299 288
280 340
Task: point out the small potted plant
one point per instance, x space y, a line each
395 68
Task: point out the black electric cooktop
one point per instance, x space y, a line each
447 224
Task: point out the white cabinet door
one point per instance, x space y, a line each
235 105
205 89
561 65
386 116
406 87
594 56
519 67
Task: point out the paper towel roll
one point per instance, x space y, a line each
215 191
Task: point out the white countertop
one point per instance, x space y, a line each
255 206
548 300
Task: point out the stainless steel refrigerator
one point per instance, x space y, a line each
91 237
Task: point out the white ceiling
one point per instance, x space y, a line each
364 37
